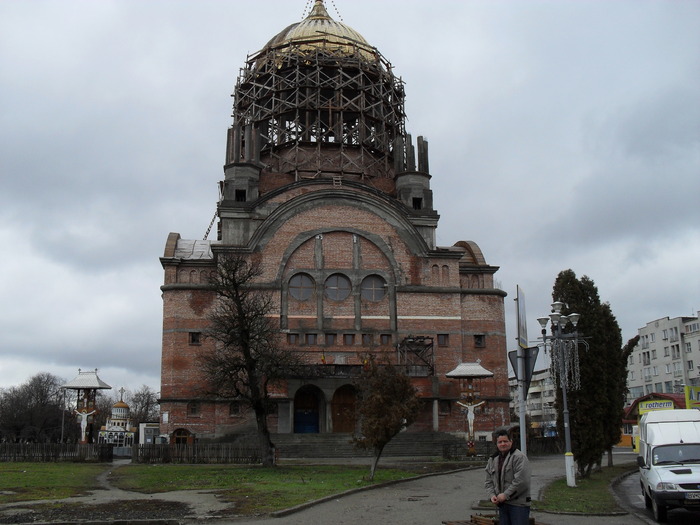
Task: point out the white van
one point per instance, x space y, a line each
669 460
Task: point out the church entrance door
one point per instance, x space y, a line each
343 409
306 410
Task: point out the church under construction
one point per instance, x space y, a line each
324 187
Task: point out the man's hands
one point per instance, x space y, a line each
497 500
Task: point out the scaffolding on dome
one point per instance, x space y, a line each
312 108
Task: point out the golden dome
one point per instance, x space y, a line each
120 404
319 30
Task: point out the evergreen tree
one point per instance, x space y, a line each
595 404
617 393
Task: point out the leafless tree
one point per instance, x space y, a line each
32 410
387 403
246 358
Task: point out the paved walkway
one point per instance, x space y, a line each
431 500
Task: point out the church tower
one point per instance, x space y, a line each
325 188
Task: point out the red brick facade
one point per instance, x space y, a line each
354 268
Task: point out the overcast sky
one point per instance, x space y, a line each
563 134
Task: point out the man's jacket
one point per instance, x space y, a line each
515 478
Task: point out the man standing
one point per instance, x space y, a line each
508 482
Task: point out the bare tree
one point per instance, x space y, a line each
104 402
246 359
143 405
32 411
387 403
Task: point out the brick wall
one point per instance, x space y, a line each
426 294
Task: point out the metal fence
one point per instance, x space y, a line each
44 452
206 453
54 452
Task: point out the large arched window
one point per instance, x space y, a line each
338 287
301 286
373 288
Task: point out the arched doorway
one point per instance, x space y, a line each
343 409
307 402
182 436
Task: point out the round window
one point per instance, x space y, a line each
373 288
338 287
301 286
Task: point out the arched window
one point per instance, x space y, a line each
301 286
338 287
373 288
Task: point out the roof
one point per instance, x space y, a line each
632 411
469 371
85 380
319 30
193 249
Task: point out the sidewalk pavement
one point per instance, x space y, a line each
430 500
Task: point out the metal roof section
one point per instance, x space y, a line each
469 371
87 380
191 249
320 30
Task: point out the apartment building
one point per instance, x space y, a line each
666 358
540 407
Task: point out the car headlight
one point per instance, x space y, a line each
663 486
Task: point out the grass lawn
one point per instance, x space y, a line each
258 490
31 481
254 489
590 496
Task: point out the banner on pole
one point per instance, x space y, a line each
522 319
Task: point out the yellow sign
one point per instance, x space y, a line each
655 404
692 396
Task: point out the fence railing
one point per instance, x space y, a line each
42 452
207 453
54 452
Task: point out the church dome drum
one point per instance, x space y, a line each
318 100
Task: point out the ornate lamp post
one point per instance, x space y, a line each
564 356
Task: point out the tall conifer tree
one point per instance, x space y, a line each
595 407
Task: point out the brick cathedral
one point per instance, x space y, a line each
325 188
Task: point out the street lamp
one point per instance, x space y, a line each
564 357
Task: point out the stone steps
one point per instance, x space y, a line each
405 444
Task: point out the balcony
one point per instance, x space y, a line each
350 371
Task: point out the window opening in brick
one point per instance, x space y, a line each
293 339
311 339
195 338
193 409
479 340
443 339
240 195
373 288
301 286
338 287
366 339
348 339
417 203
385 339
330 339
